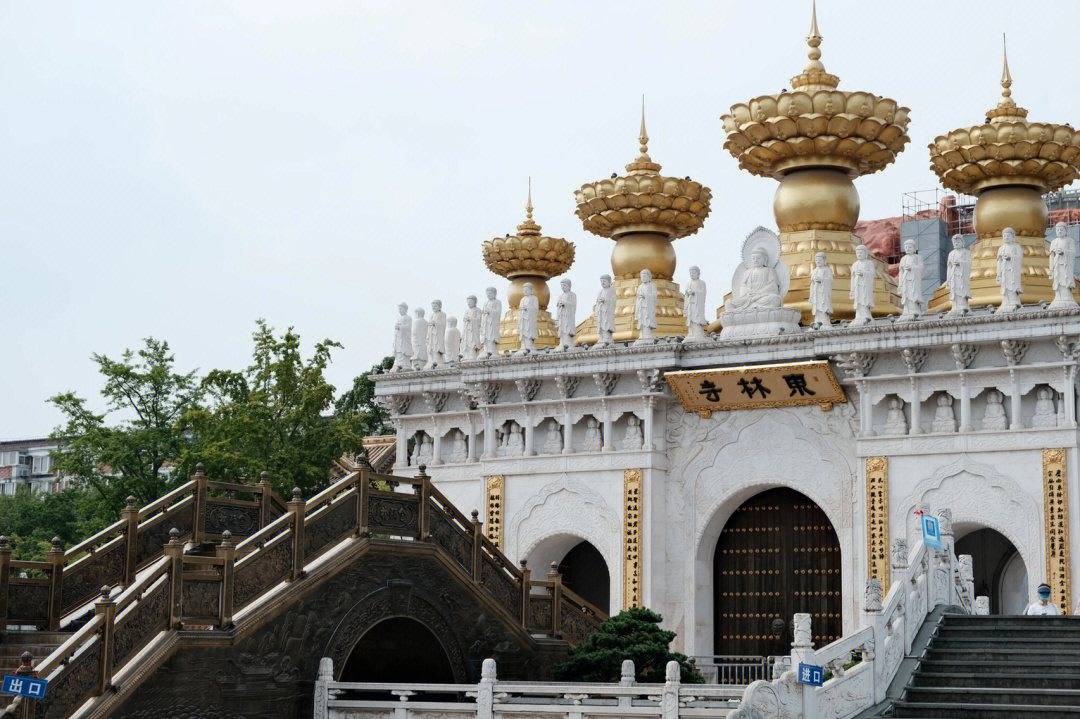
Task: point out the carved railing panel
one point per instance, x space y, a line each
573 625
149 615
28 601
240 517
264 568
201 598
393 513
456 542
154 533
85 578
499 586
329 525
74 684
540 615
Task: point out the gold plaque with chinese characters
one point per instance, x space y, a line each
493 528
757 387
877 520
1056 508
632 501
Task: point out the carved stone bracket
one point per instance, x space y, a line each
467 398
396 403
485 392
854 364
1013 350
650 380
605 382
963 355
566 385
435 401
527 388
913 358
1068 347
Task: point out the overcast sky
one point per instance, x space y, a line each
180 169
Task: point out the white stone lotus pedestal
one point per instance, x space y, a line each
758 322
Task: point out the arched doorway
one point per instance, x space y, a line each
398 649
777 555
585 573
999 570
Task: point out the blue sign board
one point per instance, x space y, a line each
24 686
931 531
812 675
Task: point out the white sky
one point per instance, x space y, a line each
179 169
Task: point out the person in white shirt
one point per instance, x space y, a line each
1043 606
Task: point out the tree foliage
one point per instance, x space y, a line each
31 520
148 401
358 403
270 417
631 634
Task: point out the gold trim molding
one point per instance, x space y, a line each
877 520
632 518
1056 525
757 387
493 525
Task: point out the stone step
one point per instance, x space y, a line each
993 695
33 636
943 710
993 633
38 651
995 654
1015 621
1057 644
998 668
1031 679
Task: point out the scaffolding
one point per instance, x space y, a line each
958 211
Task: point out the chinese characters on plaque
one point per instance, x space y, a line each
877 519
632 538
1056 504
756 387
493 527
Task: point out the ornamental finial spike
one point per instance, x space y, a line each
1006 77
814 40
643 138
528 204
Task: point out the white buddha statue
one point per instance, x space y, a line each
694 296
604 312
426 453
862 285
528 311
436 336
515 442
402 339
909 282
760 286
895 422
470 330
994 416
592 441
459 452
1062 268
944 418
645 308
958 276
453 341
566 316
632 440
419 334
1010 271
1045 415
821 284
489 325
553 441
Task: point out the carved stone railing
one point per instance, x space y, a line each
206 591
45 594
859 667
493 699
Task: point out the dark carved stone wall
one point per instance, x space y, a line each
271 672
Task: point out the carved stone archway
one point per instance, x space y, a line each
396 599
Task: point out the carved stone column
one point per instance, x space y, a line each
528 436
436 449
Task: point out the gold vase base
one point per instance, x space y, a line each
510 339
670 320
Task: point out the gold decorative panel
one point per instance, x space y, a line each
1056 507
877 520
756 387
493 527
632 516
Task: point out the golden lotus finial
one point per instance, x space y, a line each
1007 109
528 203
529 253
529 227
813 76
1006 77
643 164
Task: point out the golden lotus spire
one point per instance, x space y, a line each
643 164
1007 163
528 257
814 40
813 75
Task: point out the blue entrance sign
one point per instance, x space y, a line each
811 675
931 531
24 686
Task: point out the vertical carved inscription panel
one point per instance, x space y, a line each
493 527
632 517
877 520
1056 508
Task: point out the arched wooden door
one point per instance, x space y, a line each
777 555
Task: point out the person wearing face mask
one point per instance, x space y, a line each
1043 606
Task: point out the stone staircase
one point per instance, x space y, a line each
39 643
988 667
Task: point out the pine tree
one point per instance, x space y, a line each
631 634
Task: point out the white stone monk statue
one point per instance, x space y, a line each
1062 268
1010 269
1045 415
909 281
862 285
821 284
566 316
645 308
592 441
958 276
695 307
604 312
402 339
760 286
419 339
453 341
470 330
436 336
528 311
994 416
489 325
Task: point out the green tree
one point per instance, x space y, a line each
130 456
358 403
269 418
631 634
31 520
